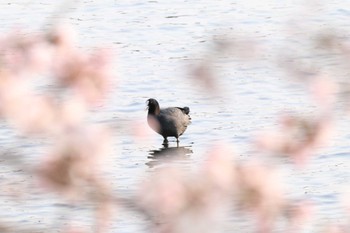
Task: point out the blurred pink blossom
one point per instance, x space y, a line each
219 170
164 194
261 192
83 79
323 90
173 197
298 214
75 160
74 169
298 137
334 229
64 38
88 76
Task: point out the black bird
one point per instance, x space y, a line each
168 122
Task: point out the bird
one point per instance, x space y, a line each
168 122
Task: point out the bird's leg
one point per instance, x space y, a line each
177 141
165 142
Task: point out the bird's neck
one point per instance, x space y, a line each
154 110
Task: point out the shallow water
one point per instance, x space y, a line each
156 43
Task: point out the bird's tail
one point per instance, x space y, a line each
185 110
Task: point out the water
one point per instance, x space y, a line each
156 44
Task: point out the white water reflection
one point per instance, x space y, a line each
168 154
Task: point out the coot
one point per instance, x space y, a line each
168 122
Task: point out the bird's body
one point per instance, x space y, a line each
168 122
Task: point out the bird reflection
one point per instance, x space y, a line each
167 154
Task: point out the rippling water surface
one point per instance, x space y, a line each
156 44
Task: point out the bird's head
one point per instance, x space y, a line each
153 106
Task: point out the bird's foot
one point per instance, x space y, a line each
165 142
